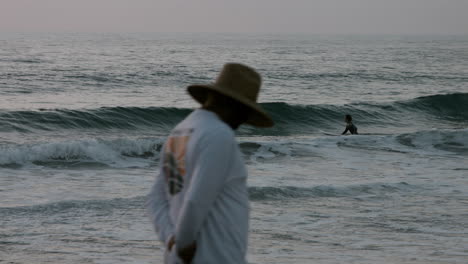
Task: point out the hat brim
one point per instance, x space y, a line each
257 117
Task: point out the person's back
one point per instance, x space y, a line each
222 237
199 203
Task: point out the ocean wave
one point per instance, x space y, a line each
87 152
289 119
446 106
158 118
106 206
428 142
387 76
435 143
144 152
289 192
309 118
448 141
23 60
103 206
122 152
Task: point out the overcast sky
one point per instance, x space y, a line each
272 16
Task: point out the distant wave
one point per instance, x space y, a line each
304 119
447 106
290 119
455 141
103 118
103 206
389 76
288 192
22 60
255 194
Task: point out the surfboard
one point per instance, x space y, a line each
329 134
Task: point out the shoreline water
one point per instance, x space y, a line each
83 117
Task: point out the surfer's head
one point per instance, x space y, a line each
348 118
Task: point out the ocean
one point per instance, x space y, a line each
83 118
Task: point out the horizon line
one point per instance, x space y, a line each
245 33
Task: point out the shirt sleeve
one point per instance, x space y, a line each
158 207
209 176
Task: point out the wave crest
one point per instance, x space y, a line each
114 153
289 119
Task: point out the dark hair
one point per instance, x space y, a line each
348 117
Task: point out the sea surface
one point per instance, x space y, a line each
83 118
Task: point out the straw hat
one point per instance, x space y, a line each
240 83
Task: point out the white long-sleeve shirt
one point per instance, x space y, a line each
201 192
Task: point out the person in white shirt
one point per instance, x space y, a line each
199 203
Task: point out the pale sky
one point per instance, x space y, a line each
269 16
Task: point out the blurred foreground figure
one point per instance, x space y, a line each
199 203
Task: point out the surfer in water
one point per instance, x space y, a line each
350 126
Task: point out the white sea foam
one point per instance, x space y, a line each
115 153
126 152
432 142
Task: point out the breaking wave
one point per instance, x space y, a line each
290 119
144 152
79 153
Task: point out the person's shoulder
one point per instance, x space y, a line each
220 131
212 125
217 137
216 132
